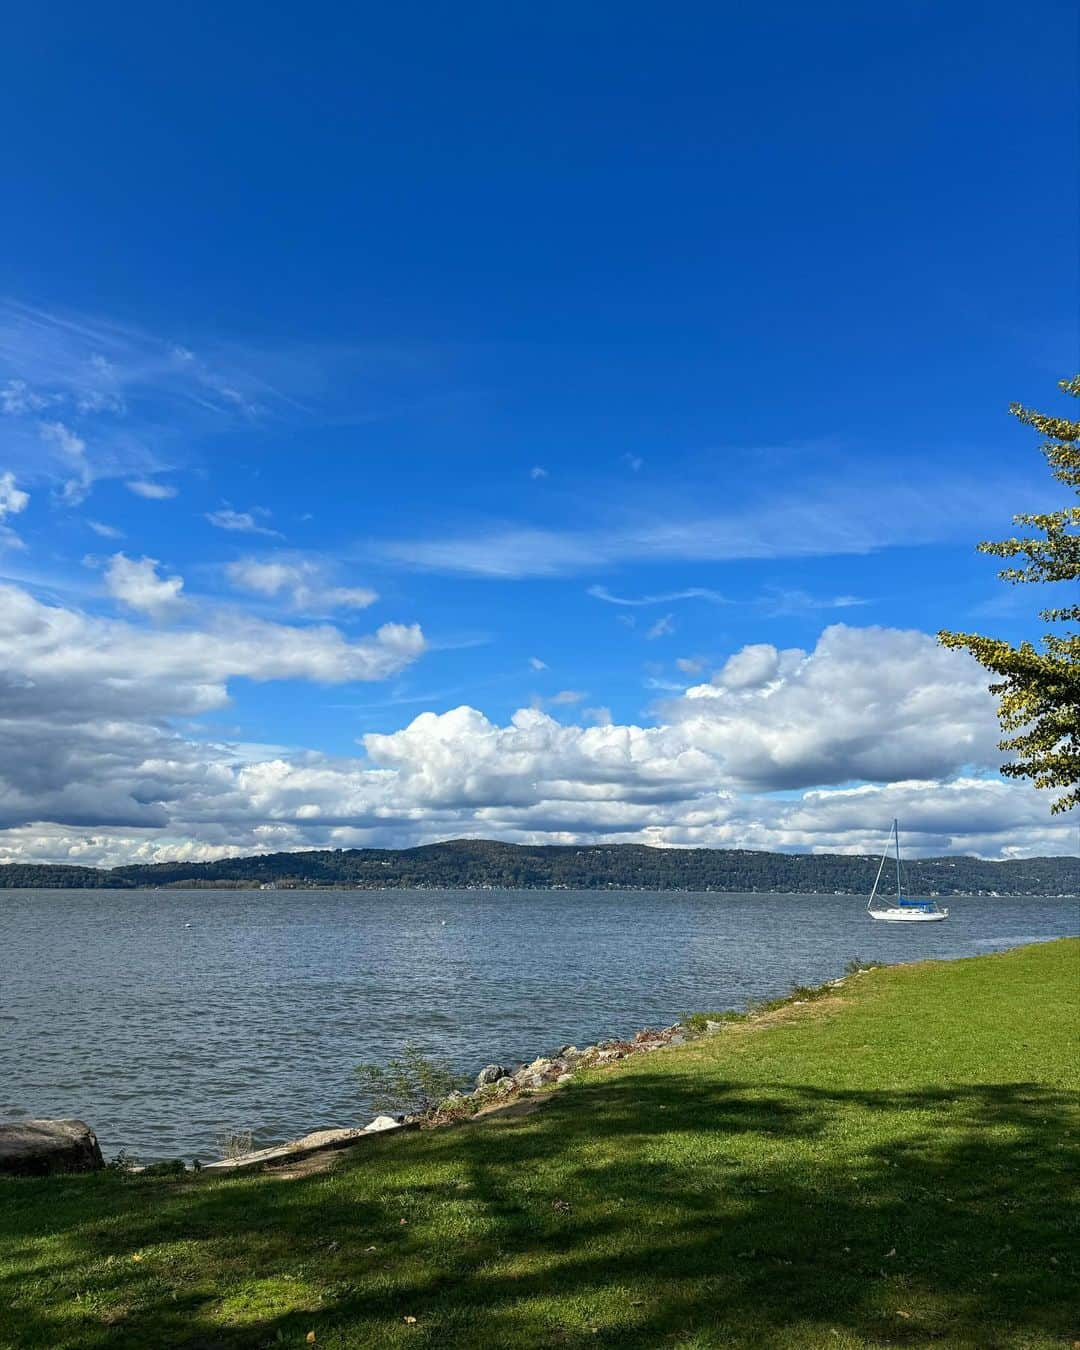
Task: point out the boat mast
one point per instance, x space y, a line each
896 829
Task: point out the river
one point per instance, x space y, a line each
166 1018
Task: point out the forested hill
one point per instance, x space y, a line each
481 862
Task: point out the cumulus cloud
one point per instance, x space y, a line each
241 522
868 724
154 492
136 584
12 499
61 663
301 582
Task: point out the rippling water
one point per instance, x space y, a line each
166 1017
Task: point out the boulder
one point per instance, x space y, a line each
491 1073
383 1123
30 1148
536 1069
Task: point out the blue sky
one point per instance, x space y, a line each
591 349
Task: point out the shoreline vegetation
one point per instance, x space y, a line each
480 864
884 1159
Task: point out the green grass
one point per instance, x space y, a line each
889 1166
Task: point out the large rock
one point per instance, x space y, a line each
33 1148
490 1073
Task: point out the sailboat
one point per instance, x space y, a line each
901 910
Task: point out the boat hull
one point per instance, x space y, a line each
908 915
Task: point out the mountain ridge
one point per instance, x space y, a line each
481 863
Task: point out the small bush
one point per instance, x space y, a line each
170 1167
856 966
412 1083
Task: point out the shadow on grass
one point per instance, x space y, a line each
656 1208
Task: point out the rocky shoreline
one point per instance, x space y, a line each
496 1087
43 1147
38 1147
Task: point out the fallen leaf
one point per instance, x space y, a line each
563 1206
371 1249
310 1338
901 1313
136 1256
888 1254
403 1221
411 1321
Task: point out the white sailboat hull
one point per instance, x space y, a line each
908 915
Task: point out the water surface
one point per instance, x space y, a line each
165 1018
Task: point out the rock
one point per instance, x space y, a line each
537 1069
504 1087
713 1028
320 1141
30 1148
608 1056
491 1073
382 1123
565 1078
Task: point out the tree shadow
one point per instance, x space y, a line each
657 1208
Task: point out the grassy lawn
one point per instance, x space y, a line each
888 1167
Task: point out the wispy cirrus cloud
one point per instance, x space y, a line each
786 602
837 516
242 522
151 491
665 598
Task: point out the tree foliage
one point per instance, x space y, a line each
1039 688
489 863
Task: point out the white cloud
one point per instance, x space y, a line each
105 531
537 664
635 462
565 697
92 769
59 662
72 449
12 499
837 516
690 665
154 492
780 603
17 398
302 582
242 522
537 472
751 667
663 627
136 584
667 598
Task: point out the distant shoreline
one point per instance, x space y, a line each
329 888
485 864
